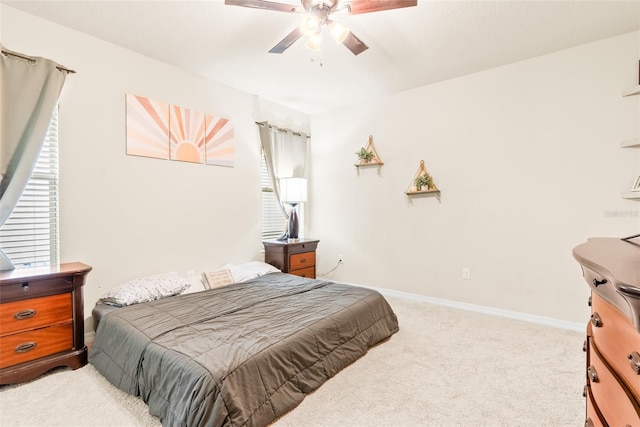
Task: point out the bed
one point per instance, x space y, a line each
242 354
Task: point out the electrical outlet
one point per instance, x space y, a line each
466 273
340 259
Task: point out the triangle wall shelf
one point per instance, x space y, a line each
634 194
375 161
413 188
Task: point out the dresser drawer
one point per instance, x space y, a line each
302 260
35 313
309 272
617 340
594 419
604 288
616 406
26 346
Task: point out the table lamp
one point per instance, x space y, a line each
292 192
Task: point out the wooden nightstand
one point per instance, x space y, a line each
297 257
41 320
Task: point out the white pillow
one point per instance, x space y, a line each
250 270
145 289
196 285
232 273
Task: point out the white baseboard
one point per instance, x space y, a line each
542 320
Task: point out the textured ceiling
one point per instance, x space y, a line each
410 47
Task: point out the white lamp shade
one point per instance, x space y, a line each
293 190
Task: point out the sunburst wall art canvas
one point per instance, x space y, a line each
186 128
147 127
219 143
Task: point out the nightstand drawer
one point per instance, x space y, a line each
302 260
26 346
35 313
309 272
36 288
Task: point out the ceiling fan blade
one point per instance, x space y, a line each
260 4
354 44
366 6
286 42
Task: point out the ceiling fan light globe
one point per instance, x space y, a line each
309 25
314 43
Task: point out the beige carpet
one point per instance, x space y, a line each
446 367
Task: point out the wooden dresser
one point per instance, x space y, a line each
295 257
41 320
611 267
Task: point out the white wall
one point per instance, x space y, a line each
129 216
527 157
528 160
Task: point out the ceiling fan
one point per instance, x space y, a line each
316 15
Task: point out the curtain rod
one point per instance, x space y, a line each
285 130
32 60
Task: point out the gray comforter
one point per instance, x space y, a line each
242 354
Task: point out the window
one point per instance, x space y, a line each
273 220
30 235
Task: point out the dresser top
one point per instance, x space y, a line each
26 274
616 258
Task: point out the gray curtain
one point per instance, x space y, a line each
285 152
29 91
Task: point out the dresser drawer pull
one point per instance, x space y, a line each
596 320
303 260
23 348
597 282
593 375
634 362
25 286
24 314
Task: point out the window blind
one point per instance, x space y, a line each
273 220
30 236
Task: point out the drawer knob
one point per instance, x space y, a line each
597 282
596 320
27 346
634 362
592 374
24 314
25 286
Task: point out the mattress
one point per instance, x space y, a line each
240 355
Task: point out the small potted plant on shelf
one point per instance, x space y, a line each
365 155
424 180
